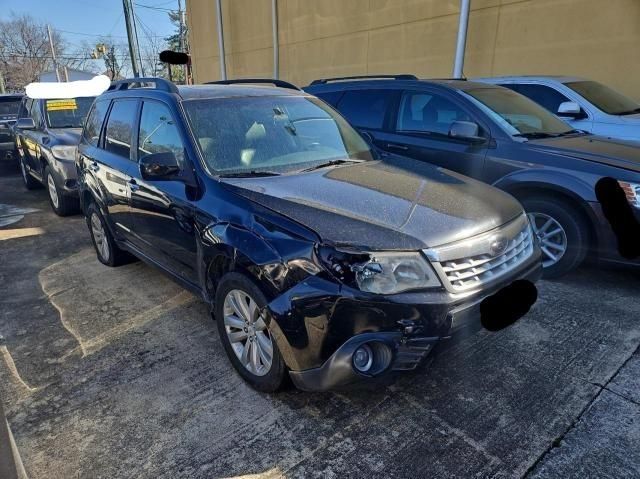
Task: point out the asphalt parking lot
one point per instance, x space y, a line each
120 373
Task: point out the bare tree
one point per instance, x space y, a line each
24 50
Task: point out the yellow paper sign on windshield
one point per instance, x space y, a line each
68 104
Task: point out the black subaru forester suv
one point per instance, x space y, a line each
318 260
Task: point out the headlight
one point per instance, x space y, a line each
389 273
64 152
632 191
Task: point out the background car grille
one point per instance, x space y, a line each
473 271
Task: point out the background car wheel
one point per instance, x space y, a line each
562 233
244 334
107 250
62 205
29 181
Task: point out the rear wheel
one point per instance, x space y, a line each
245 335
562 234
62 204
106 248
29 181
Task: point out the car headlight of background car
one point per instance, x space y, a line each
389 273
64 152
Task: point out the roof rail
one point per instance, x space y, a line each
270 81
365 77
129 83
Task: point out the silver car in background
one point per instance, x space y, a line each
585 104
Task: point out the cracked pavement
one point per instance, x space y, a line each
120 373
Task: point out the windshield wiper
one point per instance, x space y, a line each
331 163
249 174
574 132
628 112
536 134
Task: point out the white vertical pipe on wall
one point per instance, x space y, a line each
223 63
458 64
276 45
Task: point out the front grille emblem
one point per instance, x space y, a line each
498 246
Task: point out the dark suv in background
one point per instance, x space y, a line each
47 134
500 137
318 260
9 106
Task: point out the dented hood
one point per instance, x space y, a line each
378 206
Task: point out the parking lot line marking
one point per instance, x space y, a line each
19 233
11 365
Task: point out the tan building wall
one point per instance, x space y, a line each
598 39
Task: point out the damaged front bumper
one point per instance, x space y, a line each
318 325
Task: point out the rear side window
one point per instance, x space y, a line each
331 97
365 108
544 96
120 127
158 132
95 119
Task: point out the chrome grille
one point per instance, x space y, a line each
479 266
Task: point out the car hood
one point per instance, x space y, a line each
379 206
598 149
67 136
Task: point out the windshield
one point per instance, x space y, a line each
606 99
516 114
9 106
276 134
67 113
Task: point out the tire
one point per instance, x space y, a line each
29 181
106 248
61 204
230 320
574 228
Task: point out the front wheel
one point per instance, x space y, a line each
61 204
562 234
244 334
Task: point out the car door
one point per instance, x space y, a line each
111 161
162 211
420 130
30 140
551 99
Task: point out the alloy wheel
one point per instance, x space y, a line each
247 332
100 237
551 237
53 192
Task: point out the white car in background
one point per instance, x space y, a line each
585 104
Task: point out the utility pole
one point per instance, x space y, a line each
133 51
181 38
53 53
223 63
461 41
2 87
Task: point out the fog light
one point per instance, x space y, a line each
363 358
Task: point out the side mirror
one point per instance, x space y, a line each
466 130
25 124
160 167
569 108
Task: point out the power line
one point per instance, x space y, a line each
151 7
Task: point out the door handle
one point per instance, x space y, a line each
133 186
94 166
395 146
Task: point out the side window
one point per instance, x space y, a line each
544 96
36 114
119 131
92 127
331 97
158 132
25 108
428 112
365 108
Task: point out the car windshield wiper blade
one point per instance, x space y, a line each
331 163
249 174
629 112
536 134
